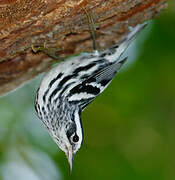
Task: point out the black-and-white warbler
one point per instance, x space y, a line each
68 88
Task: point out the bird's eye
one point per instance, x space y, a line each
75 138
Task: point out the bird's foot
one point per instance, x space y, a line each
52 52
92 27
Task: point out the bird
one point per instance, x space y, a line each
67 89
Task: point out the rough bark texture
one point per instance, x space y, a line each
60 23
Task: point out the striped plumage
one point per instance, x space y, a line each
69 87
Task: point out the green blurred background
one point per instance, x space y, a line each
129 130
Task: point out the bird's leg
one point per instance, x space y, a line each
52 52
91 28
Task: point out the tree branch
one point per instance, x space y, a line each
60 23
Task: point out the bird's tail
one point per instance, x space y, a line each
129 37
113 53
134 31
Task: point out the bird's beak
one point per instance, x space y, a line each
70 157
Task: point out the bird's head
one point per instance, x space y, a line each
69 136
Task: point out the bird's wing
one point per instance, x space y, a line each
86 91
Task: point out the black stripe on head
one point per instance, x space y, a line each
71 129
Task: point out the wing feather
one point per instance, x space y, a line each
86 91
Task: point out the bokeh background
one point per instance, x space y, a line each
129 130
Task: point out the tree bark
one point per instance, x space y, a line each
63 24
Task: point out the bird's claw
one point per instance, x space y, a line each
52 52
